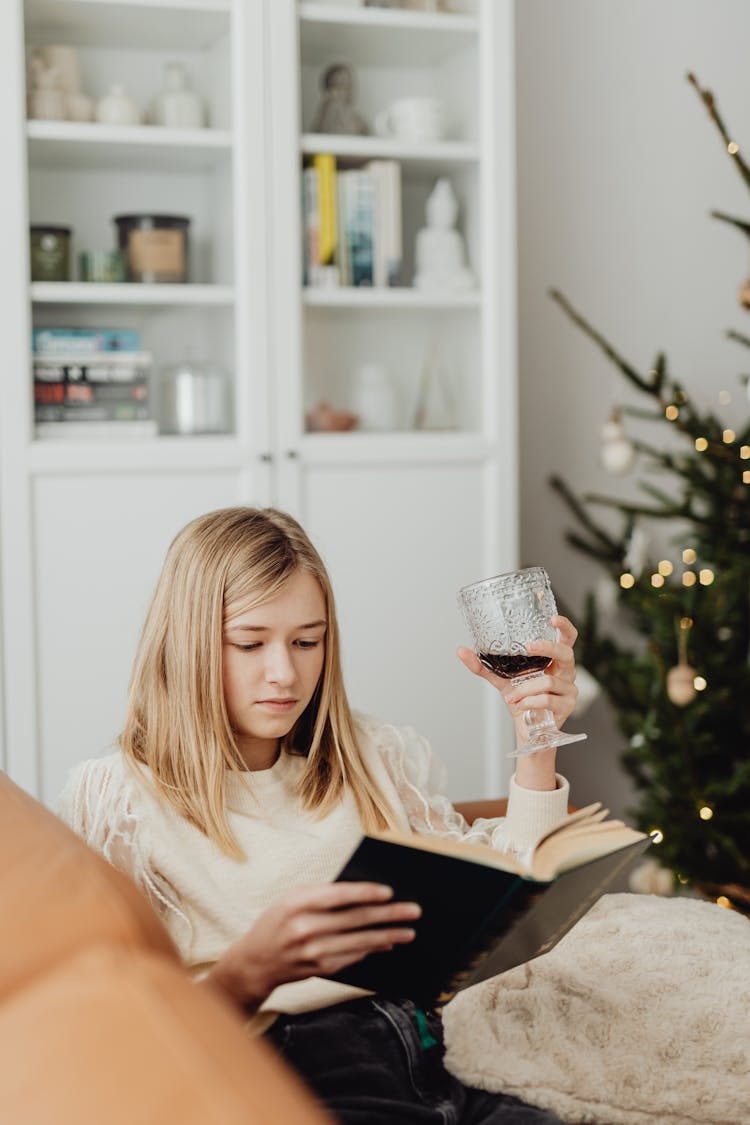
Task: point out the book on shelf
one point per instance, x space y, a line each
485 911
84 341
351 223
95 387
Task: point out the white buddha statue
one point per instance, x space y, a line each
439 249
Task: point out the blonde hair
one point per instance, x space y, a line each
229 561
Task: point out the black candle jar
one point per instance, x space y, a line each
155 246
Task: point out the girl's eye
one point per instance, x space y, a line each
307 644
248 648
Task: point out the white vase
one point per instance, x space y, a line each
117 108
178 106
374 399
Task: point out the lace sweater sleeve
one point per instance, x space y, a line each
419 780
101 804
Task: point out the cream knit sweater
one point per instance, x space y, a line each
207 899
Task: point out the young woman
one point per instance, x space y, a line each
243 781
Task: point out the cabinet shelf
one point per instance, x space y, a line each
161 454
403 447
381 36
396 298
428 157
72 145
129 293
128 23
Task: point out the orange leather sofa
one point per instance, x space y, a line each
99 1024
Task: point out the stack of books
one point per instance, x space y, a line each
91 382
351 223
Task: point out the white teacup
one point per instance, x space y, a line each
417 119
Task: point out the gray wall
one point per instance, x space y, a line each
618 168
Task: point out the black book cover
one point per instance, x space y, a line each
476 921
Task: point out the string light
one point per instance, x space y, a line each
699 683
746 476
722 900
705 812
728 436
706 576
689 556
665 567
724 398
657 580
627 581
657 835
701 444
672 413
688 578
686 622
744 452
733 148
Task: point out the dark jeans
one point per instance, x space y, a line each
366 1062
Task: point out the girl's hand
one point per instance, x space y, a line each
312 931
555 690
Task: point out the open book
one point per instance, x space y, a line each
484 911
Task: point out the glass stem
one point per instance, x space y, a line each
536 719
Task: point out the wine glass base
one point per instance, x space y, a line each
544 740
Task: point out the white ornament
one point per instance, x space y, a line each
617 452
680 685
650 878
588 690
636 555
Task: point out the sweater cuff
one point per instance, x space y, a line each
532 812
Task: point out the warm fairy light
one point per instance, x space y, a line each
744 452
688 578
728 436
671 413
701 444
686 622
722 900
699 683
682 879
705 812
689 556
665 567
657 580
627 581
653 375
657 835
706 576
746 476
724 398
733 148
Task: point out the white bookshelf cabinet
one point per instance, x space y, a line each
402 518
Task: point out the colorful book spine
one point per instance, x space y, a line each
387 249
360 225
84 341
325 166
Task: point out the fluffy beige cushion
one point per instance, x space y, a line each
640 1015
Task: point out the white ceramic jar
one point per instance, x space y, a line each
374 398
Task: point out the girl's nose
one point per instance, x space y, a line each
279 666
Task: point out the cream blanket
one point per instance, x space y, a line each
639 1016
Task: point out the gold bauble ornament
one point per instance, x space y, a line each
680 685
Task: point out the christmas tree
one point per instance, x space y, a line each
675 660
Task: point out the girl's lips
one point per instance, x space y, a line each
278 704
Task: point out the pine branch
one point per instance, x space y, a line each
675 512
627 369
738 337
602 537
710 103
742 224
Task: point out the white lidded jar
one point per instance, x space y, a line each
374 399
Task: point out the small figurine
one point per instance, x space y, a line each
439 250
336 114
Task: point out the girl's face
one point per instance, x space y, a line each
272 660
